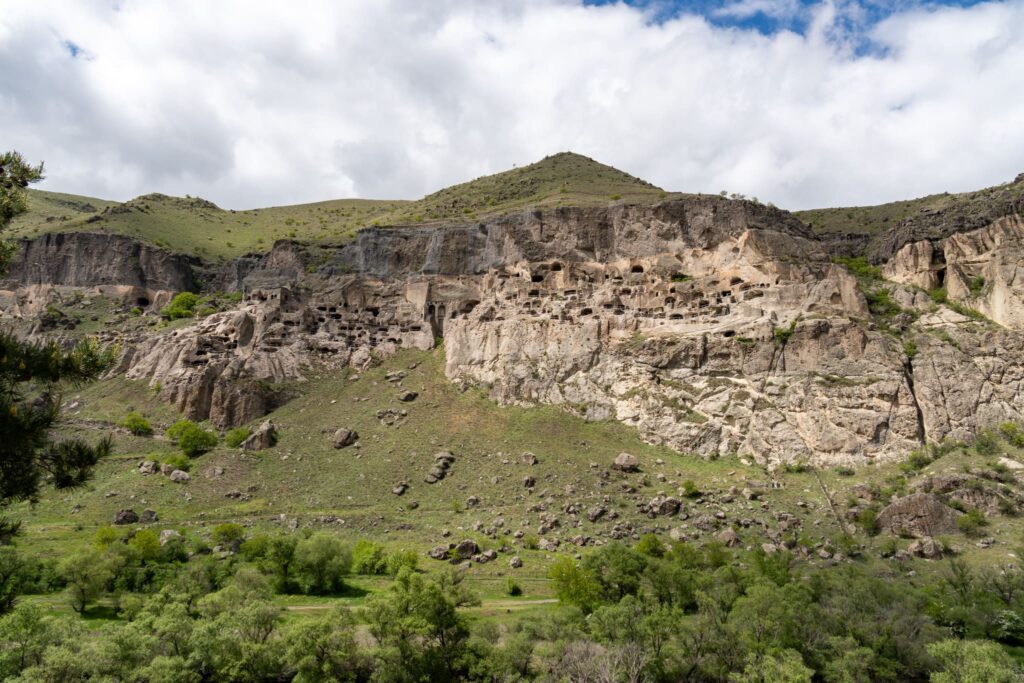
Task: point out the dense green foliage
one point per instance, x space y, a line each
183 305
137 424
31 376
235 437
192 439
650 613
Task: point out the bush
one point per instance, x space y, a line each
867 520
228 533
368 558
194 440
1013 434
402 559
690 489
650 545
175 431
179 461
986 444
859 265
972 522
845 471
321 563
512 588
183 305
236 437
138 425
917 460
531 542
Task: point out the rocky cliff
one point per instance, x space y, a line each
710 325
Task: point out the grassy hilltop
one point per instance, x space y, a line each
195 226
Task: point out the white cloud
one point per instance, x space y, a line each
252 103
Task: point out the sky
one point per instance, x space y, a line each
250 103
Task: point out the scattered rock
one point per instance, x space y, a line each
126 516
529 482
515 562
464 550
439 552
925 547
625 462
400 489
166 469
729 538
179 476
344 437
147 467
167 535
407 396
528 459
148 516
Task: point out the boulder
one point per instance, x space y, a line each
344 437
925 547
729 538
179 476
126 516
919 515
465 549
147 467
148 516
515 562
167 535
166 469
624 462
407 396
529 482
596 513
439 552
264 437
400 489
528 459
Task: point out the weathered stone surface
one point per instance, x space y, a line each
264 437
344 437
126 516
626 463
148 467
180 476
465 549
919 515
168 535
148 517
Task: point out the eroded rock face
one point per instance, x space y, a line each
711 326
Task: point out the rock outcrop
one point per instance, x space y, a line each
711 326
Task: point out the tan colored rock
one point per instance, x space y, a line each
919 515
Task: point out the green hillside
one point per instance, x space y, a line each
195 226
965 210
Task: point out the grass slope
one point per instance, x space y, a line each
195 226
967 208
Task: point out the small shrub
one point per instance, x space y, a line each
917 460
939 296
690 489
138 425
531 542
859 265
845 471
183 305
402 559
1013 434
867 520
228 533
175 431
796 468
512 588
976 285
236 437
368 558
194 440
650 545
783 334
910 348
179 461
986 443
972 522
880 303
136 310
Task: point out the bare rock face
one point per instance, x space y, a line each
264 437
919 515
711 326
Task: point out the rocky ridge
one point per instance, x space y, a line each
710 325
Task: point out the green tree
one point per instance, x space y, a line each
86 574
12 577
31 375
973 661
325 649
137 424
321 563
785 667
194 440
575 585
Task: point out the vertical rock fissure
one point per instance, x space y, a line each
908 374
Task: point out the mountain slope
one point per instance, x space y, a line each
195 226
